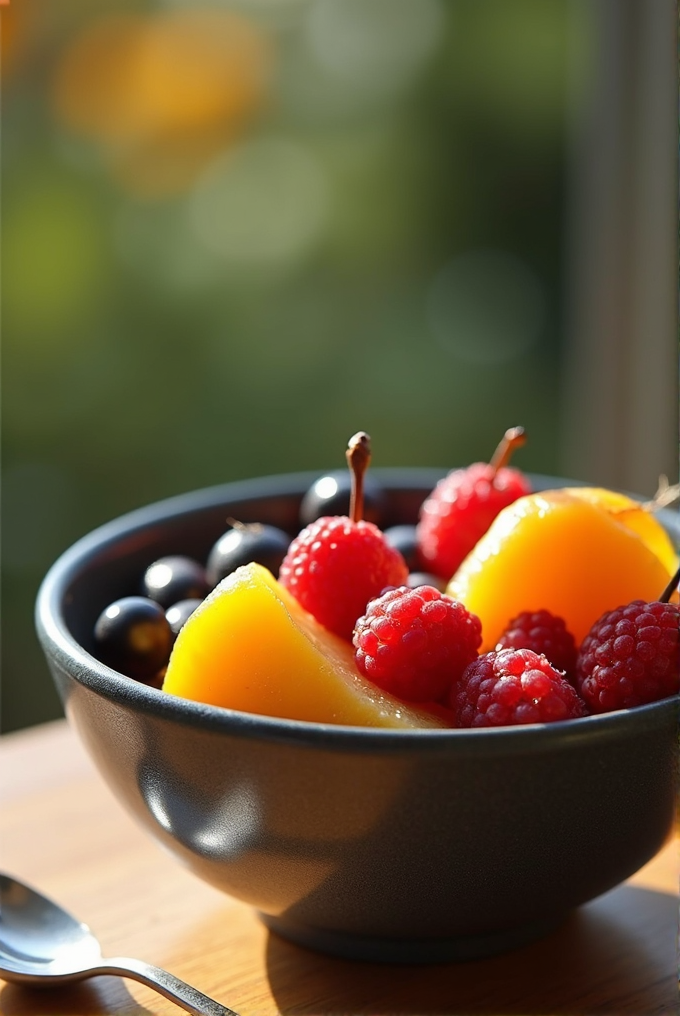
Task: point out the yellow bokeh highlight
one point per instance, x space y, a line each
162 94
16 25
54 274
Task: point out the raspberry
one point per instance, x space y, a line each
513 686
463 505
630 656
335 566
545 634
416 643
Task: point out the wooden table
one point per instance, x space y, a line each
62 831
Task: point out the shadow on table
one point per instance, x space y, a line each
596 961
91 998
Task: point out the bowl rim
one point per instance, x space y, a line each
61 647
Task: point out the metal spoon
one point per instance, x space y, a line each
41 943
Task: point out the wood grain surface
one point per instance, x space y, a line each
62 831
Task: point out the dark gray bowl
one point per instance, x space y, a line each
376 844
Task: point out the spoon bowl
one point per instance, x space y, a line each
39 939
40 943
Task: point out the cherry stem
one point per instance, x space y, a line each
251 527
670 588
513 438
358 456
665 495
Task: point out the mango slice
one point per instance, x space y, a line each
631 514
250 646
575 552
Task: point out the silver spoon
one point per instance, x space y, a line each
41 943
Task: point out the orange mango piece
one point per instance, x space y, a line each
576 552
250 646
630 513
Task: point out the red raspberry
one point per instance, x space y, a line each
630 656
335 566
545 634
415 643
513 686
459 511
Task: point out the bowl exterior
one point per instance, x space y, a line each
379 844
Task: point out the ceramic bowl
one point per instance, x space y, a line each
408 846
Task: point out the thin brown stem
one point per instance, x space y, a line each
513 438
670 588
358 457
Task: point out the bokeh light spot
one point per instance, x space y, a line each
155 241
262 204
486 307
516 60
161 94
55 264
375 45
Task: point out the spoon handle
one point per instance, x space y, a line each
167 984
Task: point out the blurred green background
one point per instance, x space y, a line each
235 233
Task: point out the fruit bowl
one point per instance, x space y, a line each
392 845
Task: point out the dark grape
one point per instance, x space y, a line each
403 539
174 578
330 494
265 545
180 612
133 636
418 578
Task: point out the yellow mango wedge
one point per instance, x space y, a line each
250 646
576 552
631 514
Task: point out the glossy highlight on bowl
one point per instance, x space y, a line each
405 846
